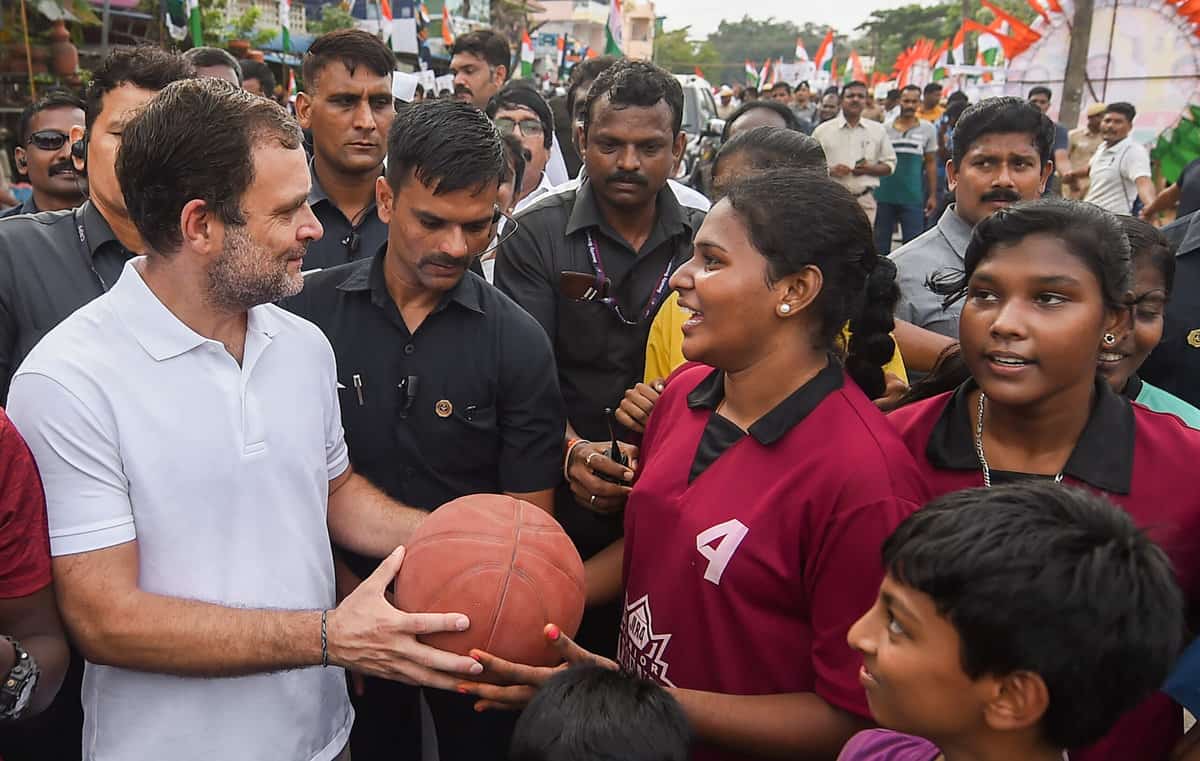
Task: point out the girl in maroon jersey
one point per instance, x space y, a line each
1047 290
768 481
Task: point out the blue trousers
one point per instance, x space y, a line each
911 219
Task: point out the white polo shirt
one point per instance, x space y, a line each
143 429
1115 170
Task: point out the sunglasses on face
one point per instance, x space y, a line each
48 139
528 127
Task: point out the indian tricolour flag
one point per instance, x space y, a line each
940 61
990 52
751 75
526 55
824 59
285 23
801 53
612 32
958 46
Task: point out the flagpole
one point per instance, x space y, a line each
28 52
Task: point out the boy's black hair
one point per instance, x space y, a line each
1004 115
589 713
205 56
262 72
1052 580
585 72
768 148
932 87
1041 90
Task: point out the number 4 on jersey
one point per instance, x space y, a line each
728 536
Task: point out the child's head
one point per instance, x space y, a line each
588 713
1030 609
1045 284
1153 278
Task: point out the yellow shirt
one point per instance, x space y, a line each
664 348
932 115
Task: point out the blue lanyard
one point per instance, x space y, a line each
660 291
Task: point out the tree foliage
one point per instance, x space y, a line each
676 53
333 18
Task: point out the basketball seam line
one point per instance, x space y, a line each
507 577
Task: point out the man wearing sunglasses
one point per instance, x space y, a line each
446 386
43 153
519 110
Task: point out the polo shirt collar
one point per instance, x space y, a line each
99 232
840 121
1103 456
366 275
316 193
1119 143
955 230
159 332
585 213
786 415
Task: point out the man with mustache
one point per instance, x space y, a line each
590 261
348 106
43 153
447 387
1002 155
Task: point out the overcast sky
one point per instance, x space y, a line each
705 15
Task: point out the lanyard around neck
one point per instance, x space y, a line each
602 282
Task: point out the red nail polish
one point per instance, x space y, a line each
552 633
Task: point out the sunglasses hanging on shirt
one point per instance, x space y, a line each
581 286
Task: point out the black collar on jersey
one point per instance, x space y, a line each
669 218
1103 456
772 426
1133 387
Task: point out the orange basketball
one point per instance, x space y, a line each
504 563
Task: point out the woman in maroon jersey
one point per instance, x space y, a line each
768 480
1046 287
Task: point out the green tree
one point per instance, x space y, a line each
675 52
219 29
759 39
333 18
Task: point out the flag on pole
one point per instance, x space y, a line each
764 76
285 23
801 53
1020 31
526 55
423 18
612 32
385 20
447 26
292 90
182 16
751 75
824 59
856 68
941 61
561 44
958 46
1039 10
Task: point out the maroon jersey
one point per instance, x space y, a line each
24 543
748 556
1141 460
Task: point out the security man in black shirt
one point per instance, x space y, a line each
591 263
54 262
1175 365
448 388
347 105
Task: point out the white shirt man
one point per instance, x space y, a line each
857 150
1119 171
189 439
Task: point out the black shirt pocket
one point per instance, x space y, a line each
466 439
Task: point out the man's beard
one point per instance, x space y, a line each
246 274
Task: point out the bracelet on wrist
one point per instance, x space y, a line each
324 639
567 460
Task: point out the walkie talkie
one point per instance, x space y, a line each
614 452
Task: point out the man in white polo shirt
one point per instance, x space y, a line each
1119 171
857 150
189 438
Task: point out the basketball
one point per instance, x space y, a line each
504 563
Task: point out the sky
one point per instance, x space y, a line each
705 15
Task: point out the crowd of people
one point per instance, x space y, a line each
833 501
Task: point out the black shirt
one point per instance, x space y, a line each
1174 365
1189 189
343 241
483 414
598 355
51 264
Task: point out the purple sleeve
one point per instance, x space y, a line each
885 745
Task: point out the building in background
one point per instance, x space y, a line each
584 21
